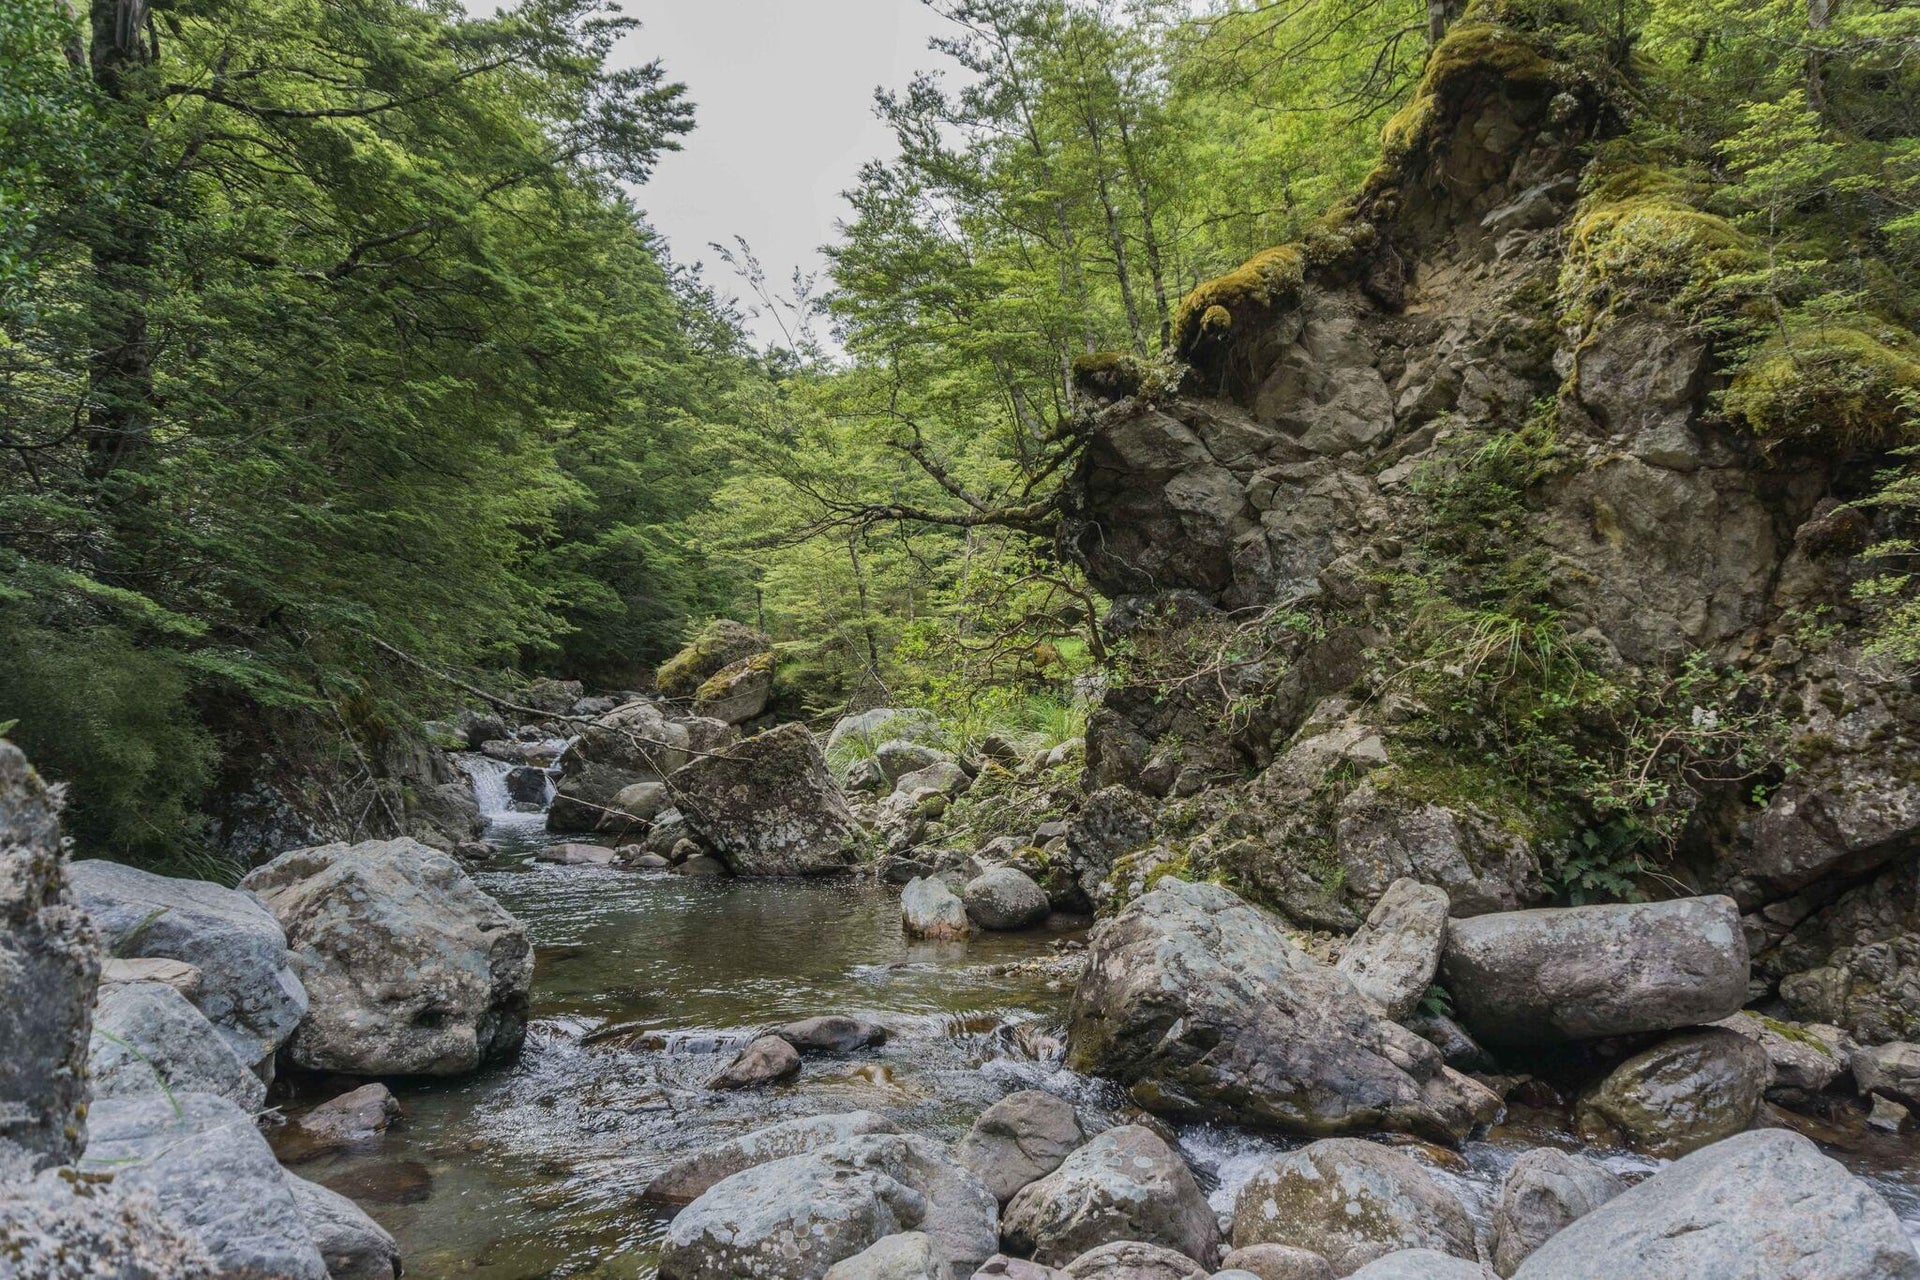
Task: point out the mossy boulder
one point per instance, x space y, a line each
1109 375
721 643
1683 1094
1848 386
1270 276
738 691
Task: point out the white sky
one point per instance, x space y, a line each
783 95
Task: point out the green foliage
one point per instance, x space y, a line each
112 720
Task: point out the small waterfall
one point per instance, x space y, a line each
517 820
489 778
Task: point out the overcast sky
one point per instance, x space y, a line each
783 91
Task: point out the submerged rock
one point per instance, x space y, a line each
353 1246
1393 958
767 806
1020 1139
1198 1004
831 1033
1762 1204
1546 1191
249 989
1126 1184
692 1176
212 1174
1578 973
49 966
796 1217
148 1039
355 1116
1350 1201
572 854
763 1061
1683 1094
412 970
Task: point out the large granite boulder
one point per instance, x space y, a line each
411 969
1765 1205
928 909
1545 1191
767 806
1393 957
632 744
796 1217
1005 898
720 644
1133 1260
1126 1184
59 1227
692 1176
1278 1262
1350 1201
212 1175
1577 973
353 1246
1683 1094
248 985
1197 1003
737 692
49 966
1020 1139
148 1039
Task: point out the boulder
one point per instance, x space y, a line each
1278 1262
1420 1264
555 697
1197 1003
898 757
720 643
353 1246
147 1038
59 1227
1578 973
212 1175
411 968
911 1255
642 801
694 863
1683 1094
767 806
1125 1184
831 1033
527 785
49 967
1890 1071
917 798
691 1177
1020 1139
572 854
1855 962
1002 898
1133 1260
1804 1057
1350 1201
1760 1205
1393 958
1381 836
928 909
794 1218
1113 822
355 1116
1001 1267
249 989
763 1061
737 692
1545 1191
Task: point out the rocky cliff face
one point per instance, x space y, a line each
1440 473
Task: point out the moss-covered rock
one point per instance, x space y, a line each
738 691
1852 386
1686 1093
1109 375
721 643
1270 276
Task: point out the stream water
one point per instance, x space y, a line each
646 983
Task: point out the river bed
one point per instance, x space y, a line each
647 983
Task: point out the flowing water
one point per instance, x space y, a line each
645 985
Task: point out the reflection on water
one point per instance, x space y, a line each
646 984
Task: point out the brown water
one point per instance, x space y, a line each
645 984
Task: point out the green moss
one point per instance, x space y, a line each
1475 50
1109 374
1640 238
1849 386
719 643
1269 276
720 683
